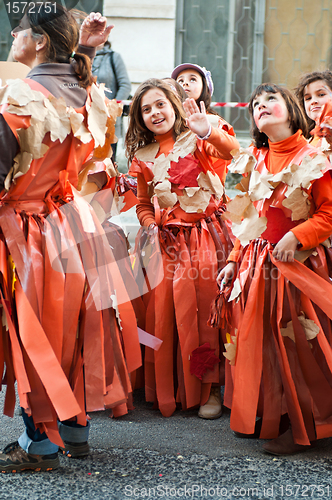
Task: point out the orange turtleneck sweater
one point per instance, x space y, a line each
280 154
317 228
218 145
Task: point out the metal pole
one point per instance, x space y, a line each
179 32
230 50
257 73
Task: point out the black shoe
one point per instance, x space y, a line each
15 459
283 427
75 450
254 435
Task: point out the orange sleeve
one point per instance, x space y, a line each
236 251
220 143
144 207
319 227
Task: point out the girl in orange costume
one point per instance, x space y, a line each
180 196
61 336
278 281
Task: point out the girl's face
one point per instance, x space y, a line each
192 83
316 94
157 112
271 116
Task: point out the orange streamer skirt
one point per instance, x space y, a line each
274 374
178 309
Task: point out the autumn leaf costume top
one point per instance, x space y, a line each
62 296
279 351
180 190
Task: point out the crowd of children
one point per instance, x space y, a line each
266 335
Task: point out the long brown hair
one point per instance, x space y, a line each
206 97
138 135
60 28
297 119
305 80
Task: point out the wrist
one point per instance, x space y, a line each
206 136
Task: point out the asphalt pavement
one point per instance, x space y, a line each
144 455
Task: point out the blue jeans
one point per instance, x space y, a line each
37 443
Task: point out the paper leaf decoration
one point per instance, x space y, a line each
202 359
184 145
230 347
298 203
236 290
166 198
237 207
309 170
251 227
277 225
243 161
160 168
211 182
184 172
259 188
243 185
148 153
311 329
196 203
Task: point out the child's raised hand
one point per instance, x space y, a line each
285 248
197 119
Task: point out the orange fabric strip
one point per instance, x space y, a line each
43 358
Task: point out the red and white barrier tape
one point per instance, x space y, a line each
229 104
213 104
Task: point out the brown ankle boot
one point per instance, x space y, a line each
284 445
213 407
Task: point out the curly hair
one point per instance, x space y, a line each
138 135
297 119
305 80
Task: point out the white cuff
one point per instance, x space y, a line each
207 135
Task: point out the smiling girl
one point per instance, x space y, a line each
278 281
181 201
314 92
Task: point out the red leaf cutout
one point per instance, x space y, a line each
277 225
202 359
185 172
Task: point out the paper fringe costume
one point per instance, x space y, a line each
188 198
69 335
278 314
